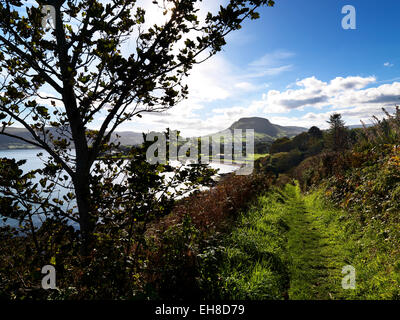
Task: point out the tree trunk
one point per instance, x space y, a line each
82 192
81 176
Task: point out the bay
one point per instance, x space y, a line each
34 162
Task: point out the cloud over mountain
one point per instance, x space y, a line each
349 92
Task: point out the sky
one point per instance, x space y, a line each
296 65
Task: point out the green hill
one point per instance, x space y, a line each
265 132
263 127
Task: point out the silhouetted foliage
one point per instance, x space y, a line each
82 64
281 145
338 139
315 132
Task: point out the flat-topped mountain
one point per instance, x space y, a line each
265 127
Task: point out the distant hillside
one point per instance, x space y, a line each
264 126
12 143
358 126
125 138
265 131
128 138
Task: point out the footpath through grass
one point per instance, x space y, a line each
317 249
290 246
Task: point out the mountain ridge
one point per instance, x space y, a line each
264 130
264 126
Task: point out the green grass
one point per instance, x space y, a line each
366 247
254 258
260 155
293 246
317 250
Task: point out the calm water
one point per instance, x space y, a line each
34 162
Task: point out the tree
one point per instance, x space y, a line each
283 144
117 260
315 132
86 72
338 133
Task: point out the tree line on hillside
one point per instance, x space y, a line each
286 153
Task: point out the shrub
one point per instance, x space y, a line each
281 145
196 223
385 131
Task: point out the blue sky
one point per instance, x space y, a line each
295 66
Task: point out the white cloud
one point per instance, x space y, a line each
236 112
296 121
212 80
270 64
272 59
274 71
338 93
388 64
218 79
348 96
184 118
382 96
340 84
247 86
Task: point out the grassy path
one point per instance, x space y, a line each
285 247
316 251
294 246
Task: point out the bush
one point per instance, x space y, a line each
281 145
196 223
284 161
